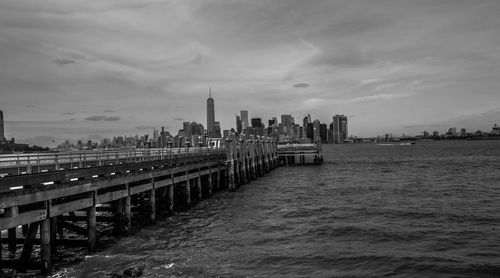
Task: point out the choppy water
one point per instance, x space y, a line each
426 210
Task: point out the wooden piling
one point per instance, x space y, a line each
230 156
12 212
53 235
92 225
128 213
243 158
218 184
45 248
152 204
210 182
188 191
198 184
171 197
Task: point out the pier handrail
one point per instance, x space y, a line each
76 159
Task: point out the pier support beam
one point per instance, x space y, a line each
152 204
12 212
92 226
188 191
128 213
218 184
210 182
171 197
45 246
53 235
198 185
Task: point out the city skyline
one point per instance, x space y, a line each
391 66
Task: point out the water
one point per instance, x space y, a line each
426 210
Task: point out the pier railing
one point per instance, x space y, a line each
28 163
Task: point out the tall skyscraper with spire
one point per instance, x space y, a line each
210 114
2 134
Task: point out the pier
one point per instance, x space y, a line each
300 154
58 199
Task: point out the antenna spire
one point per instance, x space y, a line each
210 91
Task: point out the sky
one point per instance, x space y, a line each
94 69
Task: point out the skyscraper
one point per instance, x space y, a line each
217 130
238 124
244 119
316 129
210 114
286 120
2 134
186 126
339 128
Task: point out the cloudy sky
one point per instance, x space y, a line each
91 69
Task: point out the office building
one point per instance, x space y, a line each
339 129
316 128
257 123
186 126
238 124
217 130
309 131
286 120
323 133
244 119
210 114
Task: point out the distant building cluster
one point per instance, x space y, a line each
289 131
453 133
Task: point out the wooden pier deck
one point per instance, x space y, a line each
44 197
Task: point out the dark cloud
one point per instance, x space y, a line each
301 85
30 106
68 113
178 119
97 118
64 61
108 111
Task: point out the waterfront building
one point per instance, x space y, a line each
316 128
217 130
452 132
186 126
495 130
309 131
238 124
210 114
197 129
244 119
323 131
286 120
306 120
339 129
257 123
2 134
463 132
